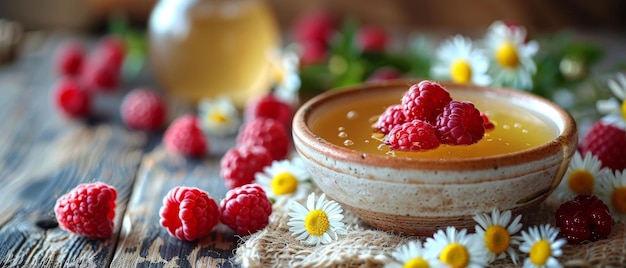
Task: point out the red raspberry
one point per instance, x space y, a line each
425 100
266 132
585 217
111 50
489 126
239 164
71 99
188 213
314 26
88 210
384 73
143 109
100 76
269 106
184 136
391 117
607 142
312 53
416 135
69 58
460 123
372 39
246 209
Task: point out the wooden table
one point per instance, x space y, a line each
43 155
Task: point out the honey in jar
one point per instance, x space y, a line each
207 48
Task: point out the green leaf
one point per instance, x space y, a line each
136 44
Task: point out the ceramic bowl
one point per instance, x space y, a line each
420 196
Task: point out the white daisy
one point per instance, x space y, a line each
320 222
582 177
615 108
542 246
498 232
613 192
511 56
457 60
458 249
286 78
413 254
285 178
219 116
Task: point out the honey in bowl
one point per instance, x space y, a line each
349 125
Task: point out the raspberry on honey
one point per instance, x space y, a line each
416 135
425 100
460 123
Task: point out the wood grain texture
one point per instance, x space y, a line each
42 156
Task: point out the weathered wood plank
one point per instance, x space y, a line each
42 156
143 242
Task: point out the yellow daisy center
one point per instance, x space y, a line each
461 71
316 222
497 239
624 109
455 255
279 75
581 181
507 56
216 116
284 183
618 200
540 252
416 263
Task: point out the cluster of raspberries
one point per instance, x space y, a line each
188 213
83 74
428 117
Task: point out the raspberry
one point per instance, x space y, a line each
246 209
101 76
384 73
487 123
184 136
188 213
312 53
71 99
69 58
88 210
425 100
416 135
585 217
391 117
269 106
607 142
143 109
239 164
111 50
460 123
103 68
372 39
266 132
315 26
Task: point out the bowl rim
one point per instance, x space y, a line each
302 133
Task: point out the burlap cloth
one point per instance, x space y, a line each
364 246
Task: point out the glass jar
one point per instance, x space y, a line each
207 48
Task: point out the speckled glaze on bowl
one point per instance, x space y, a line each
420 196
